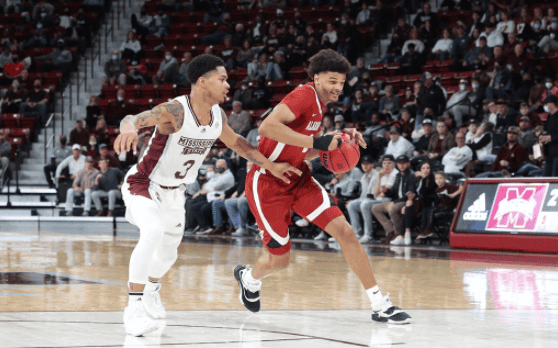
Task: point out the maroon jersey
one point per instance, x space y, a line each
308 109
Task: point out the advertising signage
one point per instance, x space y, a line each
508 207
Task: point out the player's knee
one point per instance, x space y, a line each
346 233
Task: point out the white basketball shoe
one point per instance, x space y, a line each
136 320
152 302
385 312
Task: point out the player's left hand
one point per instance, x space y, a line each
356 135
280 169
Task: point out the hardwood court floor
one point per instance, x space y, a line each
70 290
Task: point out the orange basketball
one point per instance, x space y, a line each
343 158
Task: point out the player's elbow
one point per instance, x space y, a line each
264 130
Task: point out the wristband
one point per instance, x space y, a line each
322 143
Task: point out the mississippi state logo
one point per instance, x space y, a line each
516 206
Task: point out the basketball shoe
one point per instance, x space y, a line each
136 321
249 293
152 301
386 312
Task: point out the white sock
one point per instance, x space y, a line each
152 286
374 294
134 296
249 278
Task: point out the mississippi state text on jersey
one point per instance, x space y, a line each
174 159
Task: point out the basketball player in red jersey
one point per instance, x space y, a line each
153 190
288 135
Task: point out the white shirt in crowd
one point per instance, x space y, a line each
494 39
443 45
74 166
456 158
401 147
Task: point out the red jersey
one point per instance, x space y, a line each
309 111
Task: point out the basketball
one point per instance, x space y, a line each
344 157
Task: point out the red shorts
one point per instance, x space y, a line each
271 202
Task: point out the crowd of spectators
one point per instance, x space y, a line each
470 93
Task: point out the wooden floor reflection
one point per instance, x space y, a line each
72 273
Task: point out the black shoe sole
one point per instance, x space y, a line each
251 306
400 318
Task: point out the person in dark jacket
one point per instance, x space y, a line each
389 214
107 184
550 137
422 199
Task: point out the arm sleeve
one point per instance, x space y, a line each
485 140
300 101
62 165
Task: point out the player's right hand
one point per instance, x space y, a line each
280 169
125 141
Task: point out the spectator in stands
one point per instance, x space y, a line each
101 131
66 18
239 120
446 197
443 46
245 55
137 73
527 137
131 48
460 44
13 98
253 134
549 42
422 199
92 147
119 108
349 38
406 124
426 16
510 156
506 25
59 59
14 68
228 52
389 213
411 62
107 184
104 154
389 104
257 68
67 169
182 77
223 28
79 135
481 142
330 34
261 95
460 104
421 145
357 109
398 146
237 204
431 96
457 157
363 204
493 37
415 40
550 137
428 36
363 17
5 56
217 9
115 71
36 102
92 112
168 69
440 142
339 123
478 56
222 180
344 187
141 23
160 25
82 186
277 69
244 95
38 39
5 155
44 19
505 116
60 153
143 143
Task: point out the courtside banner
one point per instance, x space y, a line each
509 207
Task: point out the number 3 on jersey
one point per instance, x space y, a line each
188 165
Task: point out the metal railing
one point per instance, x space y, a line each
51 139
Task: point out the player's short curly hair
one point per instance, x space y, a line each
328 61
201 65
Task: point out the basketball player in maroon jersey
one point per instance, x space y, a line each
153 190
288 135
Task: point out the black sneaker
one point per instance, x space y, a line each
390 314
249 294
